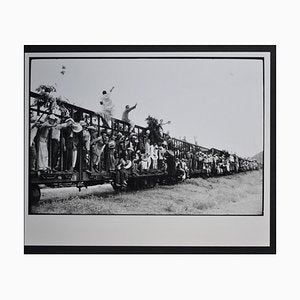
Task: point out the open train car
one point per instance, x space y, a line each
83 174
182 159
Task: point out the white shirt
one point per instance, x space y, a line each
107 105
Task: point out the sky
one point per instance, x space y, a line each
218 101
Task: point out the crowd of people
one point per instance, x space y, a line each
57 140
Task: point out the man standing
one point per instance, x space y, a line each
50 121
55 142
126 112
34 124
107 107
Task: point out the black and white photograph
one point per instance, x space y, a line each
149 134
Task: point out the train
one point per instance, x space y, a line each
181 159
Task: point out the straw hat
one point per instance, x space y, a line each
76 127
70 120
82 123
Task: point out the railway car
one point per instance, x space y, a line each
181 159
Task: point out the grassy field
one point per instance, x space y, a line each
234 194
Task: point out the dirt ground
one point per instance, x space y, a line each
235 194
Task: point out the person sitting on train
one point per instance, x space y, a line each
123 170
125 115
107 107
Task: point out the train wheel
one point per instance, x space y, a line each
131 184
152 182
117 188
35 194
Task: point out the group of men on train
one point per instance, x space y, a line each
108 149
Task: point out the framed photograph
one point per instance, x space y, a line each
150 149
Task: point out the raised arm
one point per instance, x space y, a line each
112 89
63 125
131 108
169 122
46 124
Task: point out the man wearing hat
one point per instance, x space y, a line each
123 170
86 138
55 141
71 142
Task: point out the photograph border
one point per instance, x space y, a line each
260 58
174 249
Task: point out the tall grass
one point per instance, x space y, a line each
237 194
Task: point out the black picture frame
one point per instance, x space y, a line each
271 249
